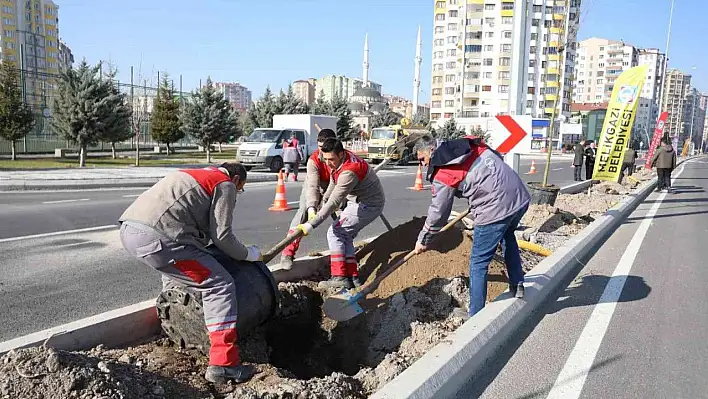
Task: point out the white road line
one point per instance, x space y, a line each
66 201
58 233
571 379
293 202
131 196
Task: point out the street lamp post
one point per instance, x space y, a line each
666 67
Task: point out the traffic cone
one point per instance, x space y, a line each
418 185
532 171
281 203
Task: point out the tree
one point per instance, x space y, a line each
450 131
246 122
79 109
321 106
339 107
16 119
420 120
165 124
117 112
293 104
386 118
477 131
207 116
261 113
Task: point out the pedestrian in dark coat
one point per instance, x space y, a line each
664 161
590 153
577 164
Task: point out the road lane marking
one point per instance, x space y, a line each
66 201
131 196
58 233
293 202
557 169
571 379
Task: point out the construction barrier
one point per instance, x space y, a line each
280 203
418 185
532 171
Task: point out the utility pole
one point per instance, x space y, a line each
666 68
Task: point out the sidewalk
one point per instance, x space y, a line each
65 179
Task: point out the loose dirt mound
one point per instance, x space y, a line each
298 354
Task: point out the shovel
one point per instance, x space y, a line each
343 305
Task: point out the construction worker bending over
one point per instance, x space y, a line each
169 226
352 180
497 197
316 183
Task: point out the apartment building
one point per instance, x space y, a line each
694 115
305 90
403 106
649 102
239 96
29 37
675 90
598 64
342 86
478 48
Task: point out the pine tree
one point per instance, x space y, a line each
16 119
294 104
450 131
246 120
264 109
321 106
78 114
386 118
117 113
208 116
420 120
165 124
339 107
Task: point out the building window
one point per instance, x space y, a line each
436 91
451 65
506 48
487 7
435 104
487 62
505 75
489 21
507 6
487 75
452 39
439 42
449 90
489 34
451 52
537 8
489 47
507 20
449 103
451 13
439 29
449 78
437 67
438 54
439 17
504 61
503 88
473 48
451 26
507 34
437 79
440 4
487 88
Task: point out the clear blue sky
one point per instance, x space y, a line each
261 43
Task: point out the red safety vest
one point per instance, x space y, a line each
354 164
322 168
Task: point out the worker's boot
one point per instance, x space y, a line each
517 291
286 262
222 374
337 282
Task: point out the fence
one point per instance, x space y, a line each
39 91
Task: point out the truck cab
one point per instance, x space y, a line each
264 147
394 141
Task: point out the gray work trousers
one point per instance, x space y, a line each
341 235
194 268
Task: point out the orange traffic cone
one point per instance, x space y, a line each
418 185
532 171
281 203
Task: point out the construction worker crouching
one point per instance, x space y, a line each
497 197
315 185
354 181
169 226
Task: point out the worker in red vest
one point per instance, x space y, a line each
355 182
496 195
291 157
169 226
315 185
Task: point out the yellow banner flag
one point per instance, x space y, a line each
617 128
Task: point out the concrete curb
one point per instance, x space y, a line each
447 367
577 187
88 184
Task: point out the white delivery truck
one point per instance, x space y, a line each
264 147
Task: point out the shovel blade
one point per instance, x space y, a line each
341 307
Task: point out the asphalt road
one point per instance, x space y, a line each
50 275
633 323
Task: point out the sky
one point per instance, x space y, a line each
273 43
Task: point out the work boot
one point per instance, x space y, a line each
356 282
222 374
337 282
286 262
517 291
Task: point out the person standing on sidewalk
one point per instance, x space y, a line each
353 181
315 185
630 157
590 153
497 196
664 161
291 156
169 226
578 160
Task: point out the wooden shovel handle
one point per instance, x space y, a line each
279 247
374 284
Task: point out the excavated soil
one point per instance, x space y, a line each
298 354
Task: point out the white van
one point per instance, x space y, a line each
264 147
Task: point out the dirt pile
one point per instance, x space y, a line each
298 354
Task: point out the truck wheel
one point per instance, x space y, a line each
248 168
405 157
276 164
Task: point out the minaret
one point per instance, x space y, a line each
416 78
366 61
